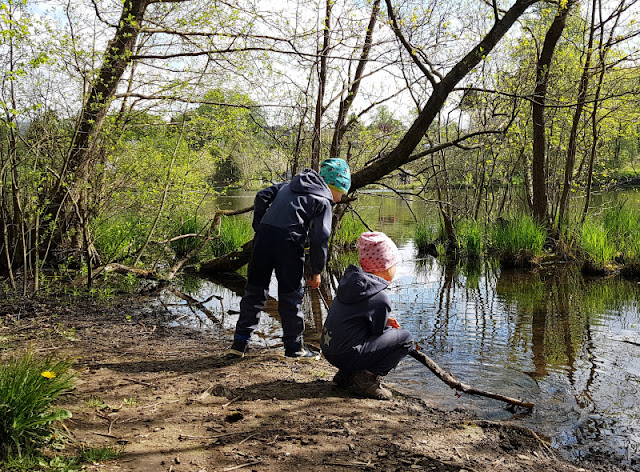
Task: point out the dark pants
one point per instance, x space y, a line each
379 354
273 249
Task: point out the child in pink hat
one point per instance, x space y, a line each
359 337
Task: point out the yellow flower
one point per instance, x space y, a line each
48 374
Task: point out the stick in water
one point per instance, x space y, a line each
452 382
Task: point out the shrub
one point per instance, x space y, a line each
27 389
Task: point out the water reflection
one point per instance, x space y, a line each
554 338
568 343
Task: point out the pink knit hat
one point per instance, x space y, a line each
377 252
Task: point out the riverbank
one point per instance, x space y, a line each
173 404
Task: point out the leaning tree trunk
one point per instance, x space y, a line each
74 179
402 153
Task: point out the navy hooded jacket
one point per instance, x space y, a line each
360 310
302 207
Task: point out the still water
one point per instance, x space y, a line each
569 344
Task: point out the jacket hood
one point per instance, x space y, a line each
309 181
357 285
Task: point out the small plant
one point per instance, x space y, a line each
130 401
99 454
95 402
28 387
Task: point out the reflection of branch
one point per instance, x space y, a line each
192 301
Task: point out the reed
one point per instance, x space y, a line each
349 231
470 238
519 239
234 232
597 244
425 234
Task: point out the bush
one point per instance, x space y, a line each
27 389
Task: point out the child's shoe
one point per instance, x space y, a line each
343 379
302 353
237 351
369 385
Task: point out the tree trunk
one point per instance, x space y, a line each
322 82
563 207
352 92
539 161
77 169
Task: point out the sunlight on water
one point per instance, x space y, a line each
567 343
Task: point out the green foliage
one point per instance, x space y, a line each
28 386
470 238
597 244
519 237
349 231
116 237
234 232
425 233
184 226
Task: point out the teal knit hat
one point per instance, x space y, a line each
335 173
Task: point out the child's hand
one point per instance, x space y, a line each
314 281
393 323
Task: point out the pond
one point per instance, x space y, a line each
568 343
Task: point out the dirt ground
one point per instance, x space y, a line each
167 396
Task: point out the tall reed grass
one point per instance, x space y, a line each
519 239
470 238
597 243
349 231
234 232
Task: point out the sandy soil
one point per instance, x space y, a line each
174 404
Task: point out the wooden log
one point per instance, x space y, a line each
454 383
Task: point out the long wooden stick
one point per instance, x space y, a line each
452 382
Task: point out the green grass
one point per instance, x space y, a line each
349 231
425 234
99 454
597 243
470 238
26 411
519 237
234 232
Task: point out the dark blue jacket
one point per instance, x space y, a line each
302 207
360 310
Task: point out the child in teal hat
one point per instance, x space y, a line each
285 215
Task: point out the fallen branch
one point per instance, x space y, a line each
452 382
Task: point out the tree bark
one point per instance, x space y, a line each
352 92
322 82
539 161
577 115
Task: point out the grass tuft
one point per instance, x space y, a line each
28 386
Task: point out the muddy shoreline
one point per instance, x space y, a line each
169 399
